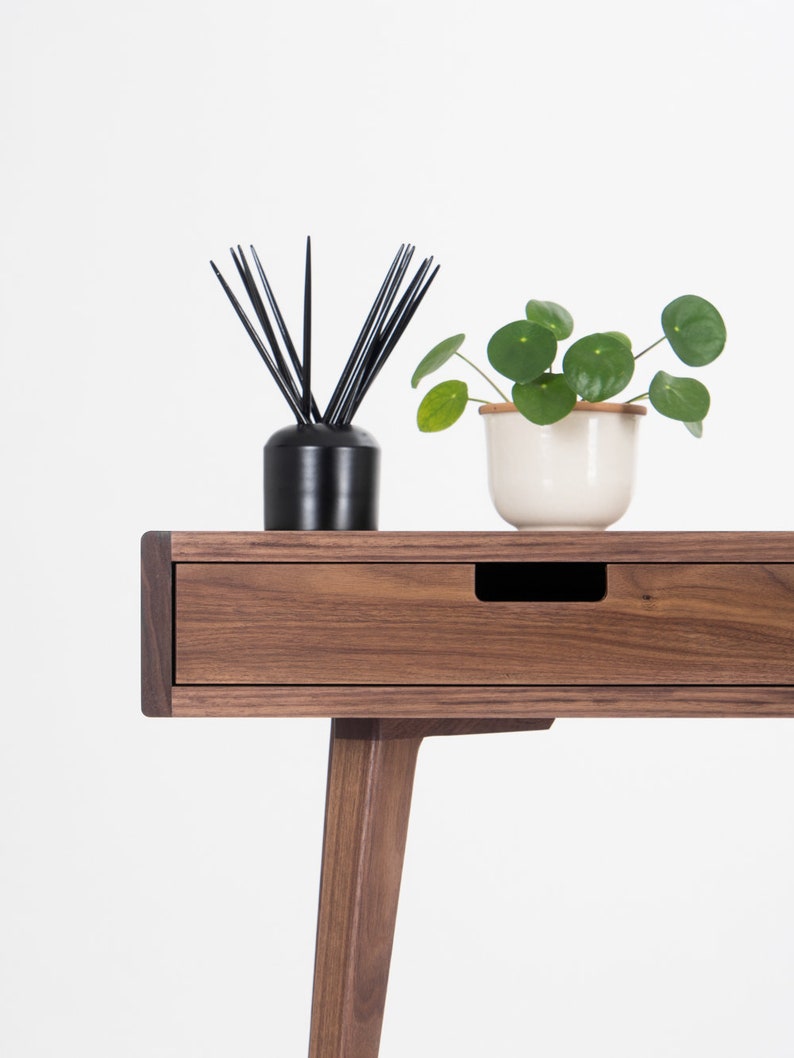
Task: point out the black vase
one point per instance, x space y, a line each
321 477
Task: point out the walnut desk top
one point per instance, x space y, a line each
468 625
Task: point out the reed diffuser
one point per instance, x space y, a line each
322 472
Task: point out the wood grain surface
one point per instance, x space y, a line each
156 624
419 728
491 702
482 547
368 802
370 779
388 623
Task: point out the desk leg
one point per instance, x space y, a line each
370 780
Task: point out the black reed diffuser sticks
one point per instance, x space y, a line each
382 329
307 330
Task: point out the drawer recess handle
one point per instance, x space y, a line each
540 581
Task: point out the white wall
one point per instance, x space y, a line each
608 888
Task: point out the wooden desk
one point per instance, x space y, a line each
398 636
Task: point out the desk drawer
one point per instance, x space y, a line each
422 624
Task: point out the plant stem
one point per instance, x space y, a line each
644 351
640 396
479 400
488 380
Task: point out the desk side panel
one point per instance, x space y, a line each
156 624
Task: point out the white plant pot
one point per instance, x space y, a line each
577 473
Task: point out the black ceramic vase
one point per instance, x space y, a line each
321 477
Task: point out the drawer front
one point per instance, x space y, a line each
422 623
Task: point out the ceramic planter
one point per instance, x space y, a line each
577 473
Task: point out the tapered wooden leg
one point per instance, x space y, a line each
370 779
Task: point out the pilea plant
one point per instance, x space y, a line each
594 368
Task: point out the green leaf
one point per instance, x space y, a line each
695 330
437 357
621 337
442 406
684 399
522 350
695 428
598 366
544 401
552 316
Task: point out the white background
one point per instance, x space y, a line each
608 888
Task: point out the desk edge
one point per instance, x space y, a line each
156 624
